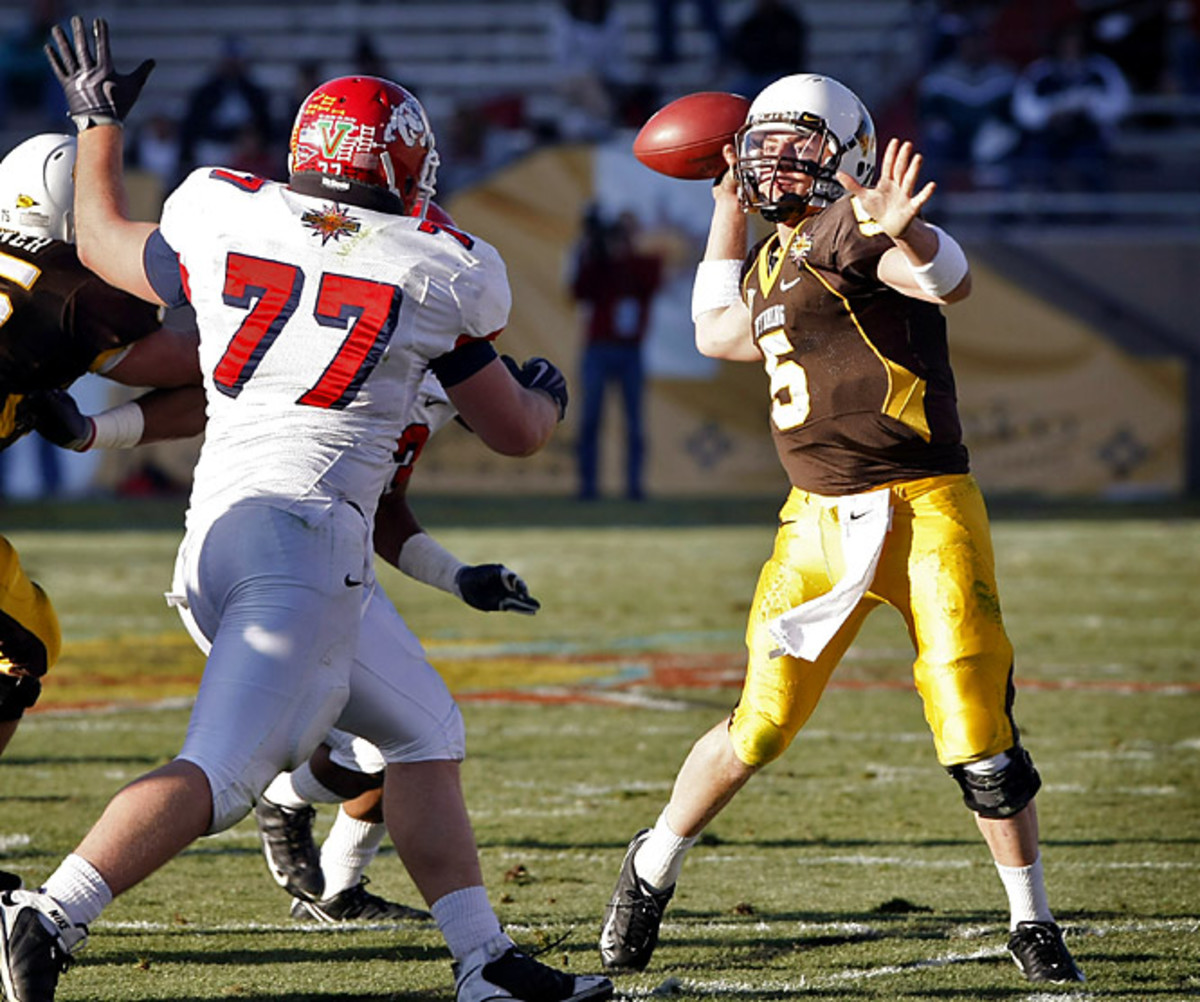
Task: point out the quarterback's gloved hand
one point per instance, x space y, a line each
57 418
540 374
96 93
494 588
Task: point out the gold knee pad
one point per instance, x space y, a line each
30 638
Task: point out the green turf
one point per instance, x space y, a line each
848 870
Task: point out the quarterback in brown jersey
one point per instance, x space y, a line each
57 322
842 303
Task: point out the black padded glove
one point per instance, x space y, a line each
494 588
96 93
57 418
540 374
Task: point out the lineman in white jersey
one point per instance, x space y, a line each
328 885
320 304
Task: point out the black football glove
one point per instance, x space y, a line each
96 93
541 374
494 588
57 418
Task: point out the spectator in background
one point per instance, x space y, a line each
367 60
771 41
1183 48
1133 34
308 77
666 29
1067 105
964 109
154 147
30 98
615 283
588 49
221 108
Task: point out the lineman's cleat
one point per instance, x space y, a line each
1041 954
498 971
31 955
632 916
292 855
356 904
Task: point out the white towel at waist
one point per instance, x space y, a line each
864 520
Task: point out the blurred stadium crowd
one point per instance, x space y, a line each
1061 94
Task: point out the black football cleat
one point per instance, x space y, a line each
1039 951
499 971
632 917
292 855
356 904
31 956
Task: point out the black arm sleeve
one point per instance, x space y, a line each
463 362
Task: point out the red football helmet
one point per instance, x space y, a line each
368 130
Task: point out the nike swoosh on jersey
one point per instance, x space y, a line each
784 286
349 582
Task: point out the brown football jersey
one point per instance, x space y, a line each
861 388
57 321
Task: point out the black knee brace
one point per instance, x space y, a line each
1001 794
17 694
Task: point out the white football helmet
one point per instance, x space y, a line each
37 187
818 115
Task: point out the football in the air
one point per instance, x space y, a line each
684 138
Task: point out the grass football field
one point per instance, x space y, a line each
848 870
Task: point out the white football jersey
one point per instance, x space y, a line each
317 323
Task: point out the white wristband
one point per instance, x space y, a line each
718 284
947 269
422 557
118 427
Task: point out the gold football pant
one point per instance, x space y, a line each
29 635
937 570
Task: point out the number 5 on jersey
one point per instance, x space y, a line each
270 291
789 382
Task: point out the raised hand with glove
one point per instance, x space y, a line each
96 93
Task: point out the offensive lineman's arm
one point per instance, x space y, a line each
722 319
98 99
513 409
161 359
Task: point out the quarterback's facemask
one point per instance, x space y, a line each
369 131
37 187
802 126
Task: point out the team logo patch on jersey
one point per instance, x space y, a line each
331 222
800 248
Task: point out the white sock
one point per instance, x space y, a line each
299 788
348 851
466 920
282 793
1026 889
660 858
79 890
